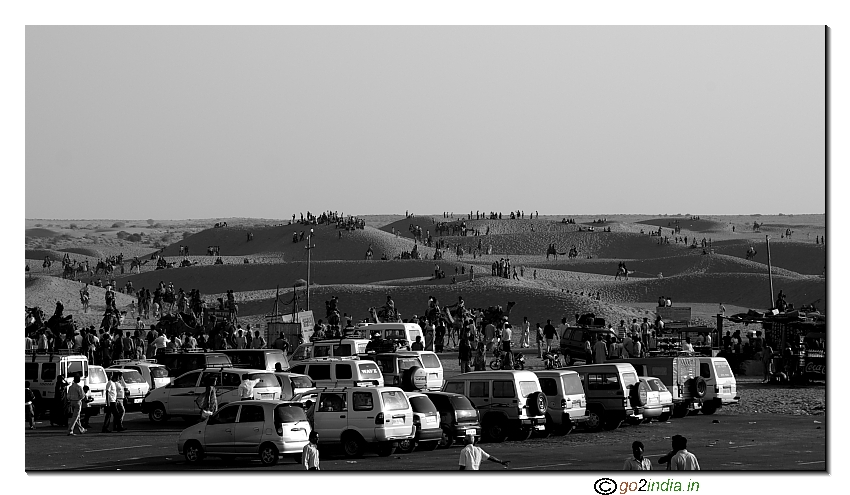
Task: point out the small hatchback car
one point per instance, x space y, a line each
458 417
659 400
426 421
263 428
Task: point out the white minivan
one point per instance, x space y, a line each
721 388
341 373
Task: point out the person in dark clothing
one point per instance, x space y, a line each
57 409
464 354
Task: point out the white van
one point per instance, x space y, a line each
721 388
566 400
329 348
97 389
432 364
41 370
337 372
403 334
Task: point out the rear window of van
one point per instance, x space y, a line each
454 387
96 376
287 413
629 379
723 370
430 360
394 400
369 369
572 385
528 388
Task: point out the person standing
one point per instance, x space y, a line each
679 459
75 399
429 337
109 410
638 462
281 343
588 351
489 336
57 409
549 332
86 412
526 330
722 309
118 413
600 351
767 362
539 341
310 454
259 341
208 401
464 354
29 405
507 335
246 387
471 456
240 340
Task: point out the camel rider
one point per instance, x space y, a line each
390 307
84 292
59 309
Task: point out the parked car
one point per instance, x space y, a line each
41 370
135 386
361 417
566 403
458 417
328 348
510 402
155 374
178 398
97 389
257 359
681 376
179 362
338 372
426 421
659 400
721 388
402 369
614 394
263 428
572 341
434 367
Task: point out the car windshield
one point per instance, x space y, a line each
394 400
157 372
656 385
96 375
302 382
289 413
422 404
132 377
572 384
461 403
629 379
528 388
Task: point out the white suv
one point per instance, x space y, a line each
357 417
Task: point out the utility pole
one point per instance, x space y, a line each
769 270
309 247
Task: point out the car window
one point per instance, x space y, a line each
156 372
319 371
503 388
301 381
656 385
289 413
658 371
299 369
385 364
249 360
265 380
208 376
407 363
48 371
413 335
133 377
422 404
629 379
723 370
224 415
331 402
704 370
438 400
577 335
479 389
251 414
430 360
187 380
342 349
304 351
394 400
76 367
362 401
549 386
454 388
273 358
572 385
31 371
461 403
343 371
369 370
527 388
321 350
230 379
602 381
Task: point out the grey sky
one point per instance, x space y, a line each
198 122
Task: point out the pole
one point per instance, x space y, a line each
309 248
769 269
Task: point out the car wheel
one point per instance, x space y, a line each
406 446
522 435
665 417
157 414
709 408
268 454
494 429
594 420
446 440
537 404
352 444
193 452
386 449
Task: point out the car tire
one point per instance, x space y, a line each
709 408
537 404
594 420
495 429
698 387
386 449
406 446
446 440
352 445
269 454
157 414
193 452
408 379
495 365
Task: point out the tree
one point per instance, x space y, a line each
151 221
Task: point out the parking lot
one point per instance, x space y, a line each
734 442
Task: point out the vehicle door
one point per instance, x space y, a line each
342 375
573 394
479 394
434 368
330 417
398 415
504 397
386 365
369 372
250 428
320 373
724 380
220 430
182 394
228 385
549 387
286 388
159 376
363 411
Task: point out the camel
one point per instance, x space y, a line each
622 272
383 315
573 253
81 269
554 252
751 253
137 264
45 267
106 267
68 271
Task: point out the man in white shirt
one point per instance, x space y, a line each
161 341
679 459
246 387
471 456
638 462
75 397
120 386
686 345
109 411
310 454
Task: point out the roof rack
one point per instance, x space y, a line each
166 350
125 361
57 352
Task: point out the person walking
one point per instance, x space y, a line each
310 454
118 412
526 330
109 410
208 401
259 342
471 456
57 409
29 405
86 412
549 332
600 350
75 399
679 459
539 341
637 462
767 362
464 354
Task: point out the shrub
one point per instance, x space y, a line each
157 225
73 226
117 225
122 234
151 221
38 225
134 238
